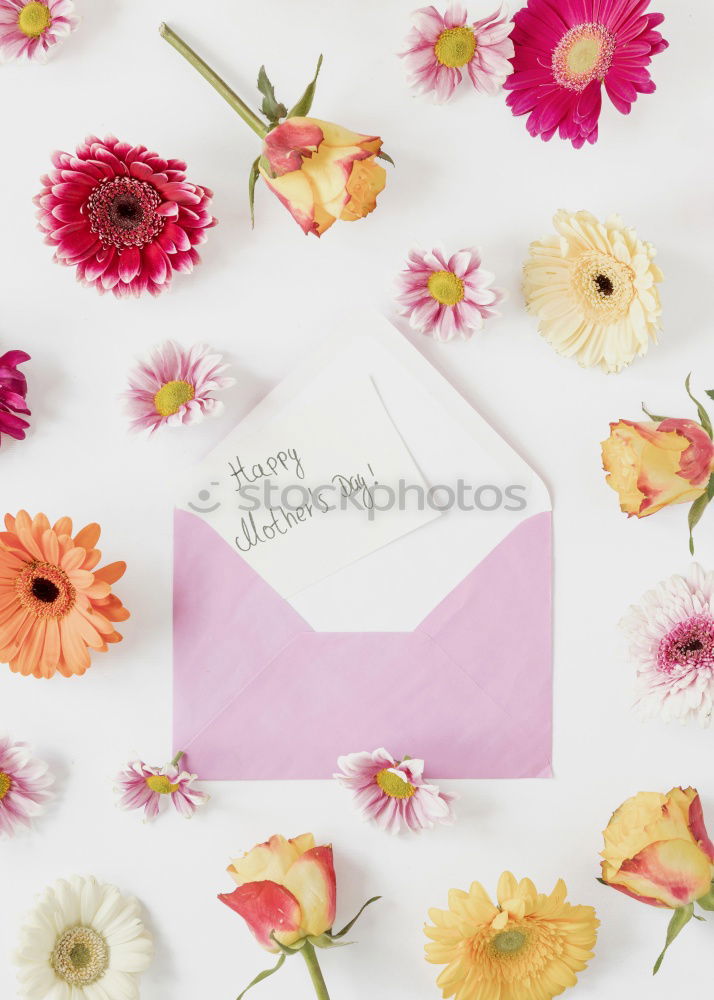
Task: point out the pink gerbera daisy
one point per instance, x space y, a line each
24 786
565 52
441 47
176 386
124 217
394 794
447 298
13 389
30 28
144 787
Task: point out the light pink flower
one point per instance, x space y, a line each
440 47
123 216
176 386
144 787
447 297
30 28
394 794
24 786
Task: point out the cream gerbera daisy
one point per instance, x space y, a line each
593 286
84 941
529 947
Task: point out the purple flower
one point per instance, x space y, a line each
13 389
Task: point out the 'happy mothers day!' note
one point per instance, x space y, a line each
311 491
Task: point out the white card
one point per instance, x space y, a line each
309 493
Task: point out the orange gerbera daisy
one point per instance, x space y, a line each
528 947
54 605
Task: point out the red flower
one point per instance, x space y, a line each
13 389
125 218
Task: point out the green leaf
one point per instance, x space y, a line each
680 919
707 901
696 512
304 105
710 393
710 488
270 107
381 155
264 975
653 416
252 181
704 418
348 927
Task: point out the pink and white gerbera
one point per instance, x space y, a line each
176 386
566 51
447 297
440 47
394 794
30 28
672 643
125 218
25 785
147 788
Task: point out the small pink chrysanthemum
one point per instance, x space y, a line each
565 52
176 386
124 217
672 642
13 389
394 794
144 787
447 298
24 786
440 47
30 28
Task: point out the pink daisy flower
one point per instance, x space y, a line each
176 386
447 298
566 51
24 786
441 47
13 389
144 787
394 794
124 217
30 28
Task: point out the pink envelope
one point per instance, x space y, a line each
259 694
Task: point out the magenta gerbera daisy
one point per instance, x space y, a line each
30 28
13 389
144 787
24 786
176 386
446 297
566 51
123 216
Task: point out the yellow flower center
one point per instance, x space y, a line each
604 285
172 396
584 54
5 784
45 591
455 47
80 956
34 19
446 288
161 784
509 942
394 786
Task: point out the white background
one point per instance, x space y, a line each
467 173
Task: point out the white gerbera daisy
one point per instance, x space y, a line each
593 286
672 642
84 941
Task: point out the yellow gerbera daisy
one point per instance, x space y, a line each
593 286
529 947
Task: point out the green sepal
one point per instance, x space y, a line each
264 975
348 927
381 155
680 919
704 418
710 393
696 511
284 948
326 940
271 107
252 181
303 106
653 416
706 902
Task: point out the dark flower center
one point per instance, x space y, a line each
45 590
690 644
604 285
123 213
